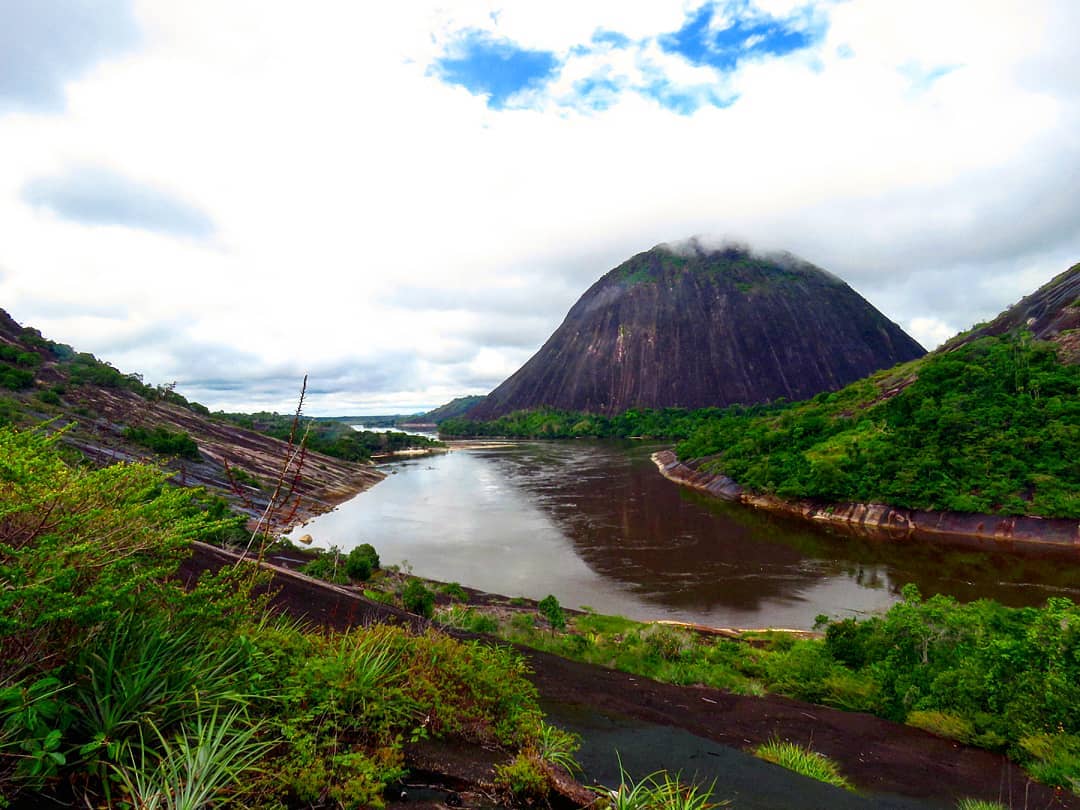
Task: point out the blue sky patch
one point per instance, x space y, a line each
597 92
613 38
706 40
496 68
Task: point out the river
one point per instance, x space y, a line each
596 525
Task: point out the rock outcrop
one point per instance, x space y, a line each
691 327
1051 313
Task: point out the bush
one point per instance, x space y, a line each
164 441
454 592
361 561
551 610
327 566
417 598
15 378
522 778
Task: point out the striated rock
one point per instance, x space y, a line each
1052 313
692 328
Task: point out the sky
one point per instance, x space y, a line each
402 200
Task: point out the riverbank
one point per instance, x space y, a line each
881 520
715 726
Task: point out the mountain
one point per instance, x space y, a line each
110 416
456 407
692 327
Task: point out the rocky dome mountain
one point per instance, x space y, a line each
692 327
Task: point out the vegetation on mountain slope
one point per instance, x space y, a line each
992 426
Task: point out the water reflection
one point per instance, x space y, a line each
594 523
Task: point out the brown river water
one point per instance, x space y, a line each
595 524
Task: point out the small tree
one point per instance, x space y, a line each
551 610
418 599
361 561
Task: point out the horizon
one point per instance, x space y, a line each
405 204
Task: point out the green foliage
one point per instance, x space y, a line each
557 747
468 619
454 592
120 686
418 598
522 778
327 566
329 437
16 378
197 768
802 760
550 423
164 441
361 562
942 724
551 610
989 427
658 791
110 539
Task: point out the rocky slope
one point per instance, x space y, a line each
693 327
1052 313
96 404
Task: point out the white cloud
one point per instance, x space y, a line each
342 178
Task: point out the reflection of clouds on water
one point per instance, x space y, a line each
596 524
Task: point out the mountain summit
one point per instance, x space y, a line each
693 327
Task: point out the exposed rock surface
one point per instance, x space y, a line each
879 519
692 328
1052 313
96 416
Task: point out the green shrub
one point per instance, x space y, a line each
551 610
361 562
164 441
417 598
15 378
327 566
522 778
454 592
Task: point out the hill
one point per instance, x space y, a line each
693 327
110 416
453 409
988 423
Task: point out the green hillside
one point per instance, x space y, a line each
992 426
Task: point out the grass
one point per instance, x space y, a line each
979 804
659 790
804 761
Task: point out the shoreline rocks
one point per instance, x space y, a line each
882 520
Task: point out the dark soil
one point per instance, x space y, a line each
656 725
